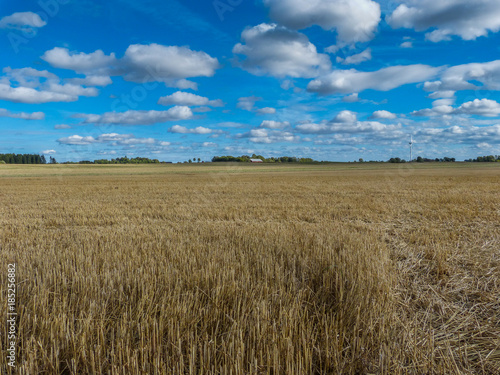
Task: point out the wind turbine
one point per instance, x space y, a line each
411 148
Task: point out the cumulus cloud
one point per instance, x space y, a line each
467 77
345 117
442 94
183 130
22 115
266 111
92 81
155 62
383 115
479 107
354 81
133 117
366 55
274 50
209 144
353 98
247 103
270 124
261 135
354 20
28 85
188 99
22 20
77 140
435 111
81 62
357 127
406 45
112 139
448 18
49 152
32 96
460 134
141 63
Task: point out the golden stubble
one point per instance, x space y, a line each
228 269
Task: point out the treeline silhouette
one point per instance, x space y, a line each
482 159
246 159
124 160
25 159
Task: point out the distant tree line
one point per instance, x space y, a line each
420 159
246 159
124 160
440 160
25 159
482 159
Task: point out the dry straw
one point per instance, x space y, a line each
277 270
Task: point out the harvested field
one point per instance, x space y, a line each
253 269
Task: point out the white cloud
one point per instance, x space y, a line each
32 96
443 102
81 62
483 107
383 115
479 107
435 111
22 115
442 94
345 117
188 99
266 136
209 144
312 128
448 17
77 140
466 76
141 63
49 152
92 81
266 111
183 130
472 135
366 55
155 62
354 20
353 98
357 127
354 81
62 126
22 20
71 89
287 84
28 85
274 50
113 139
132 117
270 124
201 109
247 103
406 45
184 84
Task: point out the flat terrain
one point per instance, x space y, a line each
253 269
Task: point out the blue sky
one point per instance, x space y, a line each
174 80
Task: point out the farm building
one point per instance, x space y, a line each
256 161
